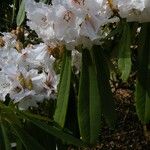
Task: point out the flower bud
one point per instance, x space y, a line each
28 84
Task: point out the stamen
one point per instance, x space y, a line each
44 19
29 84
88 19
21 79
80 2
112 7
68 16
56 51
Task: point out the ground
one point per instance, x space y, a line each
128 134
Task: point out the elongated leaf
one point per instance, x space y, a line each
124 61
29 142
9 116
45 139
71 119
95 102
107 102
83 100
52 129
89 105
64 88
5 139
21 13
142 94
42 118
19 145
142 97
55 131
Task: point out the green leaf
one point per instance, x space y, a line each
21 13
5 139
46 140
29 142
64 89
103 76
94 103
89 104
19 145
39 117
142 103
83 100
142 94
124 61
55 131
10 116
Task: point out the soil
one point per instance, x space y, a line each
128 134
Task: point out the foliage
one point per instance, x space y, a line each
85 99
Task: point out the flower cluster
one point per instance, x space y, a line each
79 22
26 75
73 22
132 10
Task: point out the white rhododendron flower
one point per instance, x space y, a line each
126 7
142 15
66 24
10 40
67 20
42 19
26 75
5 86
133 10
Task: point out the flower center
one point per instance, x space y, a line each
44 19
68 16
80 2
56 51
25 82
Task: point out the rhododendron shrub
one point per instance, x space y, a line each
70 69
